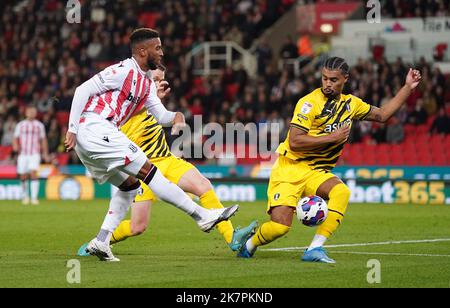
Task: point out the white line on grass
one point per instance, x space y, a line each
389 254
363 244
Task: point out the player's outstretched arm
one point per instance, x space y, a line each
299 140
388 110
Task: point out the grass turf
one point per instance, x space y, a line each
37 242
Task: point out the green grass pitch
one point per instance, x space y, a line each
37 242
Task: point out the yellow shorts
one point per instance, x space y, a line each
290 180
172 167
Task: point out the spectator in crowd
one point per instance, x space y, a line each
419 115
394 131
289 49
441 124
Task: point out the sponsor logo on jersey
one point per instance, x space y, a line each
332 127
301 116
133 148
306 108
133 99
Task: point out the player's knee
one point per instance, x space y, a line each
202 186
343 192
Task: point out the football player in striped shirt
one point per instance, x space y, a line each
30 142
100 106
144 130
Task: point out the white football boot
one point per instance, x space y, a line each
101 250
215 216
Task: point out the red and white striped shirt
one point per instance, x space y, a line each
30 134
115 93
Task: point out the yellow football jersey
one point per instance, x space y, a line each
318 115
145 131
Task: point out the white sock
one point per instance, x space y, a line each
249 244
317 241
34 189
118 208
25 190
169 192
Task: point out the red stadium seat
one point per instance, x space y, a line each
62 117
5 152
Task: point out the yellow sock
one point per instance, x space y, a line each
337 205
122 232
268 232
209 200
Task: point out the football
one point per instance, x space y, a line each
312 211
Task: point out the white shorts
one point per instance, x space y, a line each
106 152
28 163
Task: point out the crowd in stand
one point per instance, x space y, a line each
43 58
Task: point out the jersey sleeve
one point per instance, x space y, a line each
157 109
41 131
303 115
17 130
110 78
362 109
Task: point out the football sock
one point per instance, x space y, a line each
25 190
169 192
122 232
209 200
267 233
337 205
118 208
317 241
104 235
34 189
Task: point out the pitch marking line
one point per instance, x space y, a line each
363 244
389 254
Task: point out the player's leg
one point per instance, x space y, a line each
171 193
22 171
140 215
278 226
118 208
338 196
194 182
284 191
34 180
25 188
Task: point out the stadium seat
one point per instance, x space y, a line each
62 117
5 152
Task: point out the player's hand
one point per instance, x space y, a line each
340 135
413 78
162 89
70 142
178 123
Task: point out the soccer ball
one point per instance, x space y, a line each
312 211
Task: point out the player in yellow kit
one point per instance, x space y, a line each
319 129
144 130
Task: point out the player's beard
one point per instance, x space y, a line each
151 64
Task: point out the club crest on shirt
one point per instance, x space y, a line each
306 108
